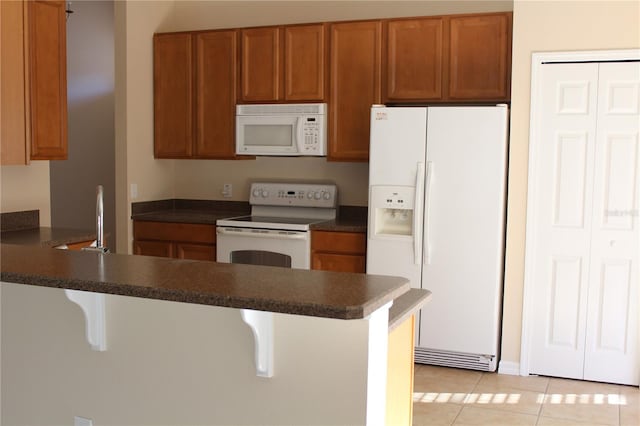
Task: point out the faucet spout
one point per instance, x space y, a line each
99 223
99 217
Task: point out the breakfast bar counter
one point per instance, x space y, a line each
288 291
177 342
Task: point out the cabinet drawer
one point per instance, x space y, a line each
164 231
339 242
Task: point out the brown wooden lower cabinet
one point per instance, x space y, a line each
338 251
195 251
153 248
177 240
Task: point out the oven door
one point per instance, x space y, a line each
289 249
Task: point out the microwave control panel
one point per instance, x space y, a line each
312 133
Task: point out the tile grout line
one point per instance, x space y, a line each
544 398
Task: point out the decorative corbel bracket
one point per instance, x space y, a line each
93 307
261 324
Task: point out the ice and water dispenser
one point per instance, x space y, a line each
392 211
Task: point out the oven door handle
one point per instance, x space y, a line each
269 234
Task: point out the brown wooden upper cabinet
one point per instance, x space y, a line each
194 94
216 70
456 58
33 81
173 95
354 65
283 64
480 57
415 49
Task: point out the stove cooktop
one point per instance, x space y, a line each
269 222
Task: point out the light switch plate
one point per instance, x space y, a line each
227 190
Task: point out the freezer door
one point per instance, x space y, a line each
464 228
398 144
396 178
396 160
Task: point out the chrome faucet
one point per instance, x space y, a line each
99 223
99 217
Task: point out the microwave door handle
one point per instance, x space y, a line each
299 135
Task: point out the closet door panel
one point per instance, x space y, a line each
563 218
611 350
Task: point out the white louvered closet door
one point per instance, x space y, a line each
586 225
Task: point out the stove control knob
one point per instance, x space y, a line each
326 196
265 193
256 192
309 195
317 195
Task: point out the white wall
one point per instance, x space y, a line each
26 188
547 26
171 363
135 23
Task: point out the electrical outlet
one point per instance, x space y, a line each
227 190
81 421
134 191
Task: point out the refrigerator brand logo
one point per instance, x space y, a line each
381 115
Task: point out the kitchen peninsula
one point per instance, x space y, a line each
193 362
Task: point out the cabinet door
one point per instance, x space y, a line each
47 70
13 125
216 59
480 57
304 62
153 248
338 262
260 65
354 87
173 95
195 251
413 60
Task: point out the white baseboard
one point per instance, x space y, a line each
508 367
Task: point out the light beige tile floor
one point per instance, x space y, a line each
450 396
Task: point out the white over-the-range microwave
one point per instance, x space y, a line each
281 129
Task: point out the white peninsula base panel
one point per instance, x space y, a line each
177 363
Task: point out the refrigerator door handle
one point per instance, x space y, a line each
417 213
427 207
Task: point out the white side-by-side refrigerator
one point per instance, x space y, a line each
437 190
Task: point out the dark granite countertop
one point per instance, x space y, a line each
290 291
23 227
350 218
47 237
188 211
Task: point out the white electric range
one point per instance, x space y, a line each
277 233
